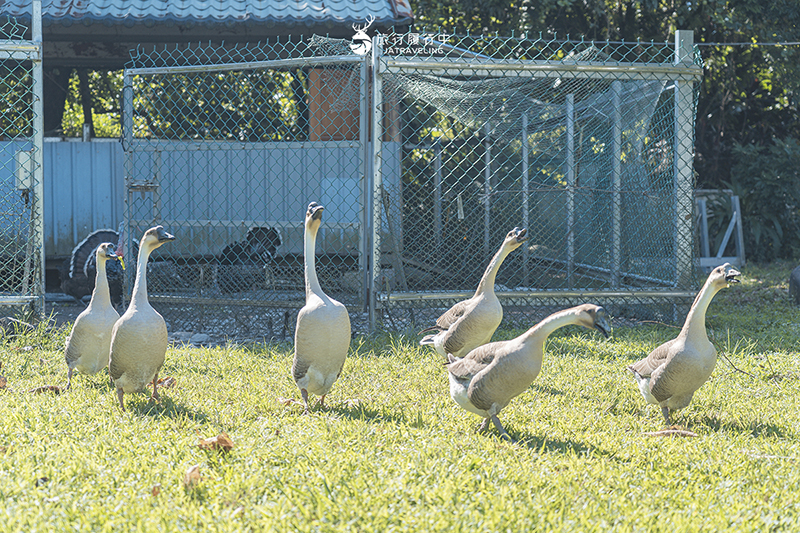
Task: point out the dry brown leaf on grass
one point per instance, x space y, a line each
672 432
3 382
221 442
55 389
166 383
156 490
192 477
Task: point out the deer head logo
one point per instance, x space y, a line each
362 43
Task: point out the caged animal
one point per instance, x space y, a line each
243 264
78 273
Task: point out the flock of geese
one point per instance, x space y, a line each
484 376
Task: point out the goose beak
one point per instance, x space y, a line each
730 275
522 234
601 324
163 236
315 210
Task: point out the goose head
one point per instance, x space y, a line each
314 216
106 251
515 238
155 237
593 317
722 275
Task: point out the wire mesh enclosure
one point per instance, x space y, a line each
425 152
226 148
21 215
587 145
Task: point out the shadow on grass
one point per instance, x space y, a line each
369 414
167 407
755 428
547 389
546 444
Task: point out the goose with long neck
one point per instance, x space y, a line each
488 377
471 323
139 337
322 335
89 341
675 370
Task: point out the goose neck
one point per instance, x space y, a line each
695 325
309 261
487 281
140 284
539 333
101 294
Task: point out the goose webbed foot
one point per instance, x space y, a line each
483 425
503 433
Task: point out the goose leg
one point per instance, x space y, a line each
155 395
322 402
665 412
304 394
69 379
500 428
119 396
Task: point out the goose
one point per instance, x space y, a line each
322 335
488 377
139 337
89 341
471 323
673 372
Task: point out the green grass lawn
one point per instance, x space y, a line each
395 453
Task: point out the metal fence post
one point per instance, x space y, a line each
616 186
377 185
570 171
683 160
525 200
38 152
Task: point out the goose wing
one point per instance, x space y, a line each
474 362
657 358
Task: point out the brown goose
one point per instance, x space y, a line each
89 341
488 377
471 323
671 374
139 337
322 335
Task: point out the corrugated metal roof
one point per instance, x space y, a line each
212 12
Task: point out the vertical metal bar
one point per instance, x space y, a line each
38 152
363 143
705 246
487 191
683 142
616 187
570 171
127 136
525 199
437 194
737 214
377 183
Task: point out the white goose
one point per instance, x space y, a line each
139 337
488 377
89 341
322 335
471 323
671 374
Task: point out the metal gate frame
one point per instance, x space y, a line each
133 186
29 173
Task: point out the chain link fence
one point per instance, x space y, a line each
21 215
587 145
226 148
425 153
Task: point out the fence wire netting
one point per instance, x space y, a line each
583 144
423 164
226 149
21 269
